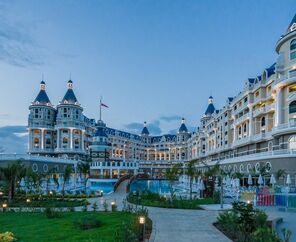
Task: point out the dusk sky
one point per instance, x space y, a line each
154 61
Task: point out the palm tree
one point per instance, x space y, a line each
12 173
67 175
84 168
48 176
191 173
280 173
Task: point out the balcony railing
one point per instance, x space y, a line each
264 109
284 127
242 118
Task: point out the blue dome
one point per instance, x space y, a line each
183 128
210 109
145 130
69 96
42 98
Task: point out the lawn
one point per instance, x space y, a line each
33 227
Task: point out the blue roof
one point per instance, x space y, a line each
42 97
70 96
145 131
270 70
183 128
210 109
292 22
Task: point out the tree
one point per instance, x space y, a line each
84 168
280 173
67 175
12 173
191 173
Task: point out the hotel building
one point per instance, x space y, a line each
255 127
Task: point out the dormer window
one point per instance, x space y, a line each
293 49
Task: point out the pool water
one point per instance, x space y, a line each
106 187
157 186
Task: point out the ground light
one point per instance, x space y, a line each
142 227
4 206
113 206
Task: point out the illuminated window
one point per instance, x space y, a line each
65 140
269 88
292 89
36 131
36 141
257 94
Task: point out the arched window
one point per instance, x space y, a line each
263 122
293 49
245 128
292 107
293 45
292 142
65 140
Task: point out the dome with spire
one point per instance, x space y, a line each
292 25
42 98
70 97
183 128
145 129
210 109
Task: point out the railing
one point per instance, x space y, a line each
284 126
242 118
120 180
264 109
7 157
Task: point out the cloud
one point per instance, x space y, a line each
136 128
13 139
170 118
17 46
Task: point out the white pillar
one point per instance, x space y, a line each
58 138
110 170
42 138
82 140
278 110
234 134
71 139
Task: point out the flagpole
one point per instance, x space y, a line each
100 109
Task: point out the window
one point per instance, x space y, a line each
246 99
263 122
65 140
292 143
292 107
293 49
257 94
245 128
269 88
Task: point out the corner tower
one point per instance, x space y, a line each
41 123
70 125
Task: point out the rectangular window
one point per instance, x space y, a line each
293 55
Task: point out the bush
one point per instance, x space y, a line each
51 213
228 222
7 237
264 235
88 223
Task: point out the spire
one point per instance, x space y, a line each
183 128
292 25
210 109
70 97
42 98
145 129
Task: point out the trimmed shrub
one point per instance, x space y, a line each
51 213
88 223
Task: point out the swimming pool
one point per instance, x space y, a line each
158 186
106 187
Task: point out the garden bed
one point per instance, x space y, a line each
33 227
156 200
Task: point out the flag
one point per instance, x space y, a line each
104 105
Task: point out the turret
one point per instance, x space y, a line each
41 123
70 124
145 131
183 135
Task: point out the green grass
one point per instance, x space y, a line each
33 227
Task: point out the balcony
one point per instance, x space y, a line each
265 109
242 118
67 150
284 128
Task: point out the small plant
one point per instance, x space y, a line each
51 213
7 237
88 223
264 234
105 206
71 209
95 207
286 234
84 208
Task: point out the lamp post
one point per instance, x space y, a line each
4 206
113 206
142 227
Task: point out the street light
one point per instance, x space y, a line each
113 206
4 206
28 200
142 227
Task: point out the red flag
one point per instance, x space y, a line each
104 105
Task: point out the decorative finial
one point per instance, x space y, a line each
70 84
42 85
145 124
183 120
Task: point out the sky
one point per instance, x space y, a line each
154 61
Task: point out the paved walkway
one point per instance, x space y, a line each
173 225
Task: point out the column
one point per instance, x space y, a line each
169 153
42 138
278 109
155 154
123 153
58 138
250 126
147 154
71 139
82 140
175 153
234 134
101 169
110 170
